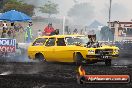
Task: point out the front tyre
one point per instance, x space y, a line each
77 58
108 62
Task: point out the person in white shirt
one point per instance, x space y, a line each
39 33
5 25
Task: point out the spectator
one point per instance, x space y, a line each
81 32
28 33
20 27
16 28
5 25
4 35
39 33
13 33
12 26
9 33
55 32
75 31
1 25
48 30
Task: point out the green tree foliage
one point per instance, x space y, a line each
19 6
49 8
107 34
2 3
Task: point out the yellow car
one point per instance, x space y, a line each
70 48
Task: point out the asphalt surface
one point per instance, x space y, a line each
29 74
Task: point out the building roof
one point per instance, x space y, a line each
95 24
120 22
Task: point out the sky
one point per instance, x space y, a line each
121 9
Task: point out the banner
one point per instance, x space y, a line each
107 78
7 45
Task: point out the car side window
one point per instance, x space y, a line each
50 42
39 42
69 40
61 42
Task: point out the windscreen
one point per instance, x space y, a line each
79 39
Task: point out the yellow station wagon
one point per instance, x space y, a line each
70 48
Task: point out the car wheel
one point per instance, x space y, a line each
40 57
77 58
108 62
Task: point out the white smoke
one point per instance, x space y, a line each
6 73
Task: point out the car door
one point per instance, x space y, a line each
36 47
62 52
49 49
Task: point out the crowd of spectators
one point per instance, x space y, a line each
8 30
124 45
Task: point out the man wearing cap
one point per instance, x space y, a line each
48 30
28 33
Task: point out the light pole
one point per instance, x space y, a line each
109 17
110 13
64 19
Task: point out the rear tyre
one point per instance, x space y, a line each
108 62
40 57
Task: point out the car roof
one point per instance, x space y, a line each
61 36
44 37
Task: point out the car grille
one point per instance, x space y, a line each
103 51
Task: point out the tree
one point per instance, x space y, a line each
2 3
107 34
81 12
19 6
49 8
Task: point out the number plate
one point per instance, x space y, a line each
105 57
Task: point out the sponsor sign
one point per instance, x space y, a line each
82 78
7 45
107 78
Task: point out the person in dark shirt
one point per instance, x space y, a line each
4 34
9 32
55 32
92 41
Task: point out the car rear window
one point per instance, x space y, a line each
39 42
61 42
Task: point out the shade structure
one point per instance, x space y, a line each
14 16
0 16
